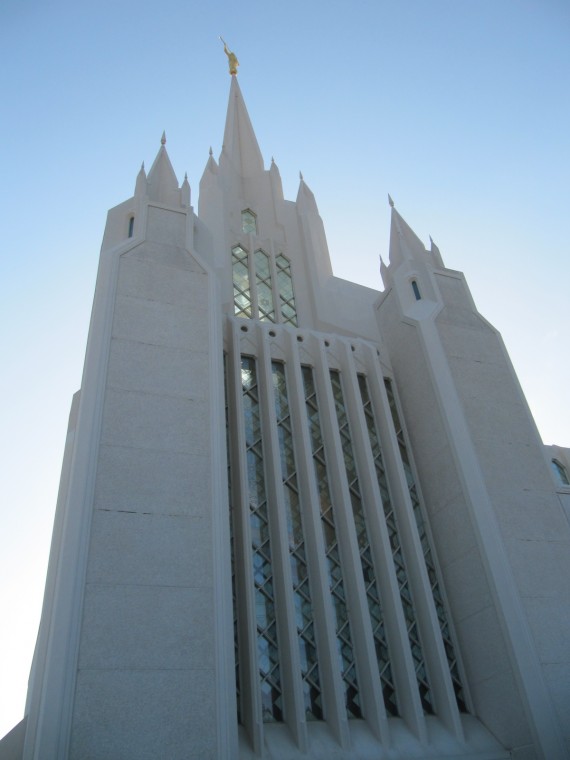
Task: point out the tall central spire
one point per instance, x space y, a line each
240 146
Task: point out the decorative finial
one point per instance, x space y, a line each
233 62
431 241
163 139
142 167
301 176
211 152
272 160
185 176
390 201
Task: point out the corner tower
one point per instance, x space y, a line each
135 631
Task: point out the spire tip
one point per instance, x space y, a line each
163 138
390 201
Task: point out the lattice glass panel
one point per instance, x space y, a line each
266 633
297 558
242 292
264 290
232 544
372 592
335 578
427 552
248 222
397 554
285 290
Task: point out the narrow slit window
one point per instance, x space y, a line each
131 226
416 289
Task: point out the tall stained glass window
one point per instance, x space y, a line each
266 624
372 592
332 554
397 554
428 556
297 559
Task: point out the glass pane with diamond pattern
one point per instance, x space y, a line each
335 578
428 556
266 633
248 222
297 558
264 290
285 289
372 591
242 293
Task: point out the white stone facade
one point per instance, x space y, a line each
385 572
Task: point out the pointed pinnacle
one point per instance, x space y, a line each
211 151
142 167
163 139
185 176
390 201
301 176
431 240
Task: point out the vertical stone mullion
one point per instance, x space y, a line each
434 653
331 683
288 646
249 678
372 704
395 626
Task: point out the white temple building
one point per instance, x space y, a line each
298 517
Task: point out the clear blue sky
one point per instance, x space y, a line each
459 108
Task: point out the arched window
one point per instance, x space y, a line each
248 222
131 226
560 472
416 289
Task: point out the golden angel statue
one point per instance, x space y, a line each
233 62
